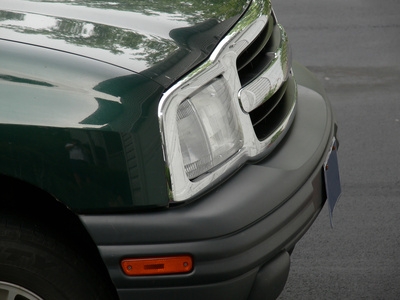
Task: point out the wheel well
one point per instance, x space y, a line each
39 207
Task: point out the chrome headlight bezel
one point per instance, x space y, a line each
222 64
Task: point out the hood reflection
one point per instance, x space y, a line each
131 34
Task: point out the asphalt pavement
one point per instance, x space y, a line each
353 47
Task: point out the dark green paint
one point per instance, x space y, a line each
110 111
80 84
24 80
142 36
122 166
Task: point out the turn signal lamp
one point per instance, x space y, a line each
157 265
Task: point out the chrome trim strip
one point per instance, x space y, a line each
222 62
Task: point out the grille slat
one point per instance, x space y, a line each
258 56
255 48
269 116
262 112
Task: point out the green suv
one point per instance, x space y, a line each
155 150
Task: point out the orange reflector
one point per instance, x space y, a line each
157 265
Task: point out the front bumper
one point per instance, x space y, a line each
240 234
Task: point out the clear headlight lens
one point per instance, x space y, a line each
209 132
205 118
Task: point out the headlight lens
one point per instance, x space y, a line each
208 127
209 132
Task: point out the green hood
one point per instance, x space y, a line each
161 39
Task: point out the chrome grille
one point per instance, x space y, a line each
273 107
268 117
255 57
254 61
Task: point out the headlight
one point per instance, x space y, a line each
223 114
209 132
201 124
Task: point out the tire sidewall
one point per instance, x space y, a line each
33 259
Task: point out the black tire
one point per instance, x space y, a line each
38 265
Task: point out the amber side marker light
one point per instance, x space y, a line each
157 265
